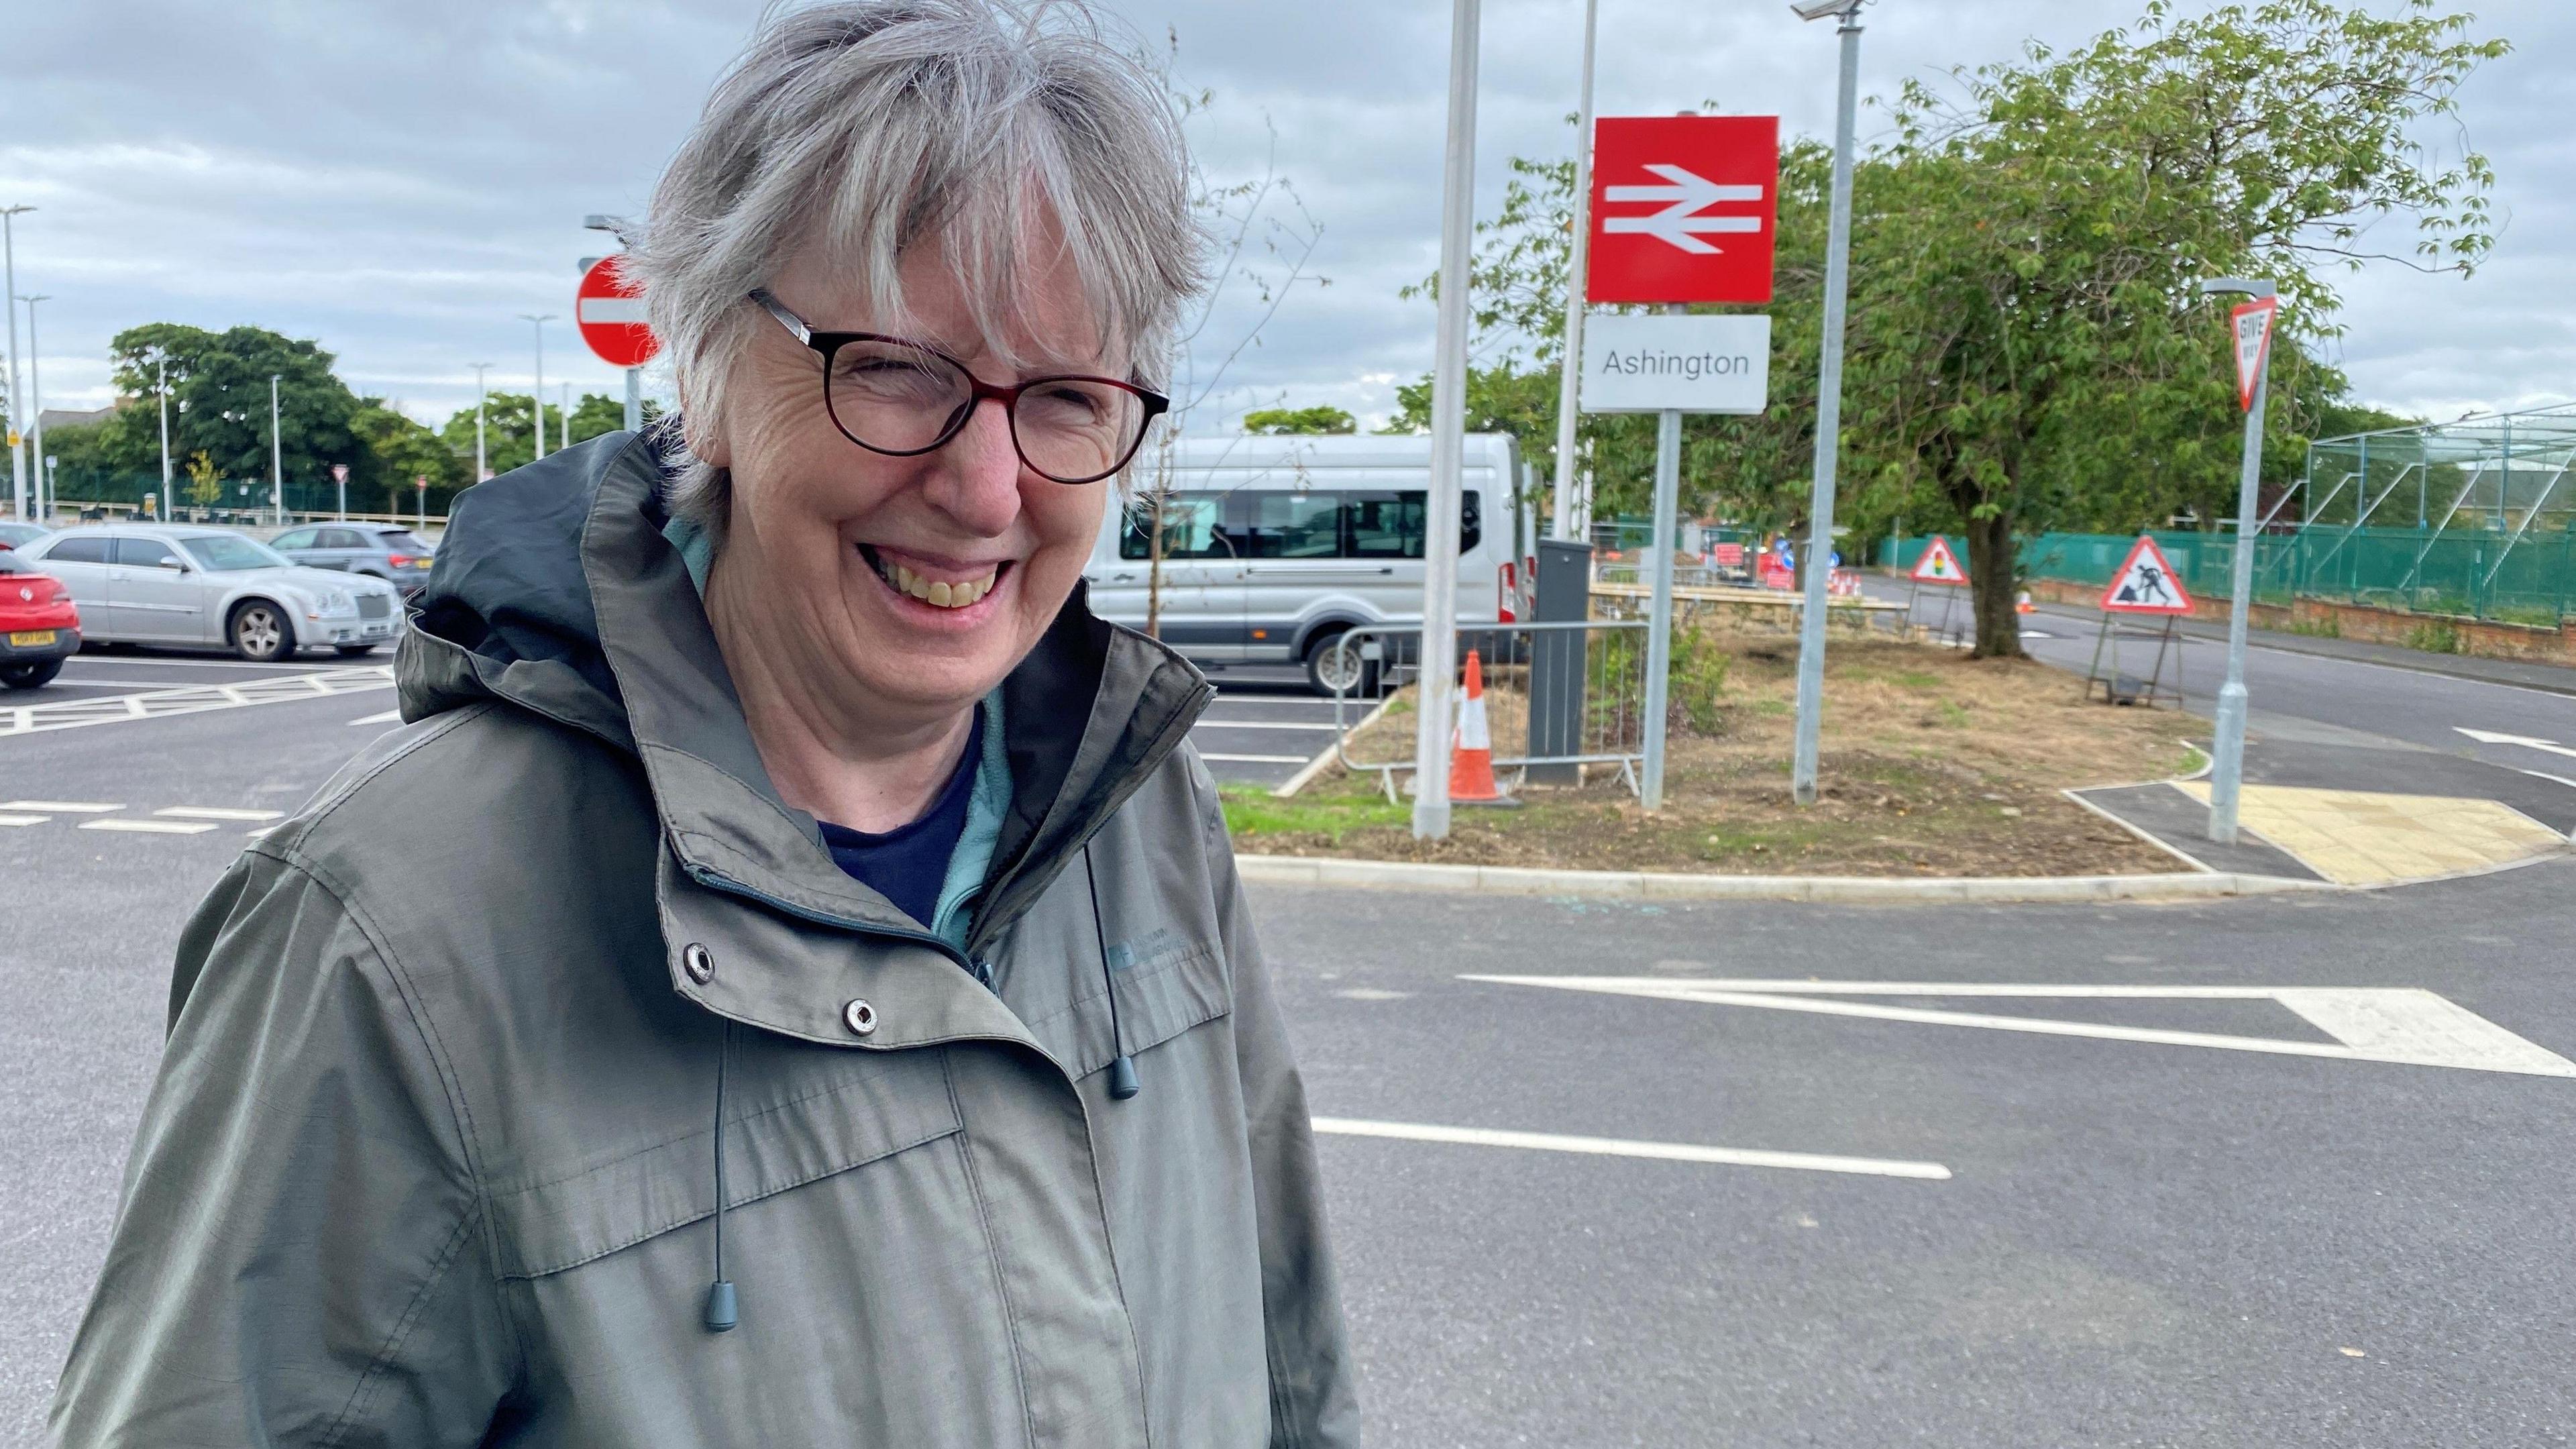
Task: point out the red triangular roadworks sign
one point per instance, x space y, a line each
1939 565
2146 584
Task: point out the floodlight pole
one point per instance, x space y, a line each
2227 745
17 417
34 427
276 457
1439 653
480 471
161 369
1829 419
537 393
1570 381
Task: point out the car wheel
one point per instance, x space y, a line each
261 632
1334 666
30 675
355 651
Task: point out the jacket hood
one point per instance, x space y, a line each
554 591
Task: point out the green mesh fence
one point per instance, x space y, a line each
101 493
2475 518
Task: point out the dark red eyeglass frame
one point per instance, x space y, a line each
825 344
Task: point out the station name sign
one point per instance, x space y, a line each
1650 362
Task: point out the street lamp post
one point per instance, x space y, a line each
1439 654
161 370
480 471
563 419
17 417
537 394
276 458
1829 405
35 424
1569 382
2227 745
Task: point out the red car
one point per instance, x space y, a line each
39 627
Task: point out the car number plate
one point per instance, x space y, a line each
25 637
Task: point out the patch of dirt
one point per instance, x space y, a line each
1932 764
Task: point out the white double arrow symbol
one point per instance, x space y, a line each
1676 223
2490 737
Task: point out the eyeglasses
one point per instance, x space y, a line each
904 399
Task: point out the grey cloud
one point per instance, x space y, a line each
402 180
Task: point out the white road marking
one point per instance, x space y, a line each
142 663
194 699
388 717
151 827
260 833
1619 1147
1259 724
59 807
2398 1025
219 812
24 819
123 684
1254 759
2490 737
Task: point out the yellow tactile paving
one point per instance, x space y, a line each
2355 837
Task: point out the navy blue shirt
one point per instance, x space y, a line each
908 864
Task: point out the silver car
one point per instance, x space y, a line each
153 584
385 551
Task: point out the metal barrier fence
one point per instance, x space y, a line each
1558 697
2483 573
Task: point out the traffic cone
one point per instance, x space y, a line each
2023 605
1471 748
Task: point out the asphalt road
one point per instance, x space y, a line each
2139 1241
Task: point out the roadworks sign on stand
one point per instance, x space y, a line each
1940 566
2144 584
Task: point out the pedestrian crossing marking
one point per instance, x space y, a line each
151 827
219 812
2404 1026
1622 1147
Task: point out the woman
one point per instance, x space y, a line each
788 982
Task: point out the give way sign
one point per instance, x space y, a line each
1683 208
610 312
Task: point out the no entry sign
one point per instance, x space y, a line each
610 313
1683 208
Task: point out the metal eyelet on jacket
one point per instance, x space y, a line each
859 1016
700 966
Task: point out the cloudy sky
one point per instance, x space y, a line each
400 181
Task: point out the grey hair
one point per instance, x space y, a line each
871 126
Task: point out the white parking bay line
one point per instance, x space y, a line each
219 812
1254 759
151 827
24 819
59 807
1618 1147
388 717
1259 724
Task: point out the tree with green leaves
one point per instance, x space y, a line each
599 413
1321 419
219 402
2029 334
509 439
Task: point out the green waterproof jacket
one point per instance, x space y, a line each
547 1003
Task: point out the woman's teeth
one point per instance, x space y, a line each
938 593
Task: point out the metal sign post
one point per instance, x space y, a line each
1829 415
1439 660
2252 324
340 475
1568 389
1659 611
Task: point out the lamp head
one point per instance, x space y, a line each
1825 9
